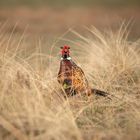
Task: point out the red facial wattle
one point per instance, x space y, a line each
65 51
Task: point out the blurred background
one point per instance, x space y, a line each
52 18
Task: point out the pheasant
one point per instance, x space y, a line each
72 78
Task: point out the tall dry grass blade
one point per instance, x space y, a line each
13 130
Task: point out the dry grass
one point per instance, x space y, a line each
31 103
52 22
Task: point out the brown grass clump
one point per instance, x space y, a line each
32 106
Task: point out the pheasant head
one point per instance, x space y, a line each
65 53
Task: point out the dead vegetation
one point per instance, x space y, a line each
32 106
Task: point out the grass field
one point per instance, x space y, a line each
50 23
90 3
104 40
31 103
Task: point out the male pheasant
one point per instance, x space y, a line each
72 77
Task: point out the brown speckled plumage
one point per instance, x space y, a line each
72 77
